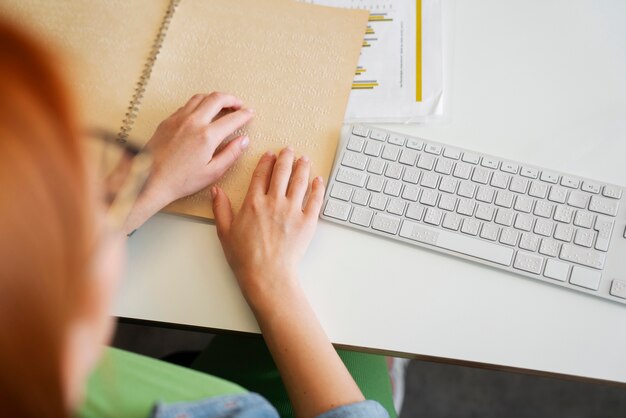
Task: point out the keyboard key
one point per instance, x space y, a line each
429 197
361 197
448 202
471 158
378 202
485 194
352 177
557 194
528 262
529 172
563 232
466 207
360 130
481 175
524 222
509 236
452 221
396 139
375 183
393 171
549 177
500 180
470 226
392 188
604 226
411 175
430 180
433 216
529 242
356 143
584 219
505 217
416 144
396 206
556 270
341 191
354 160
426 161
451 241
586 278
373 148
618 288
509 167
376 166
391 152
591 187
519 185
444 166
462 171
490 162
448 184
538 189
361 216
433 149
523 204
504 198
408 157
583 256
542 208
613 192
570 182
603 205
378 135
485 212
564 214
584 237
578 200
415 211
385 223
544 227
336 209
467 189
490 232
410 193
452 153
549 247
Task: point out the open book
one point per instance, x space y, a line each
133 63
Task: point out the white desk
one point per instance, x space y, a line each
541 82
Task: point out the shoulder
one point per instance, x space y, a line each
249 405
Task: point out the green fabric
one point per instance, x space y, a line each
247 361
129 385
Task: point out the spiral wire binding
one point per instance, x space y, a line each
135 102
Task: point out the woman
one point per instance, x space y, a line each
63 231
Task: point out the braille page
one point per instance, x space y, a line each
292 63
103 46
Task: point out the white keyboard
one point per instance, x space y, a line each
550 226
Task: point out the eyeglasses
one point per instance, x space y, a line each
122 168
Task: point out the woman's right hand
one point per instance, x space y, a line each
266 239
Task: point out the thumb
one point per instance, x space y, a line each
226 157
222 210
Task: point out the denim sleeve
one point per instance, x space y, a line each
363 409
250 405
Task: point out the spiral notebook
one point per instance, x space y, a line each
133 63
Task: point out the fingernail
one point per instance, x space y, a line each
249 110
213 192
269 154
289 148
320 180
304 159
245 141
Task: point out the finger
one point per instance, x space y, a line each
222 210
262 174
192 103
227 124
213 103
227 156
281 173
299 180
316 197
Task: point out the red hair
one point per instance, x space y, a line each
44 227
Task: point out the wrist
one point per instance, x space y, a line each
147 204
267 291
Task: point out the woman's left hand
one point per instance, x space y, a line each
184 151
